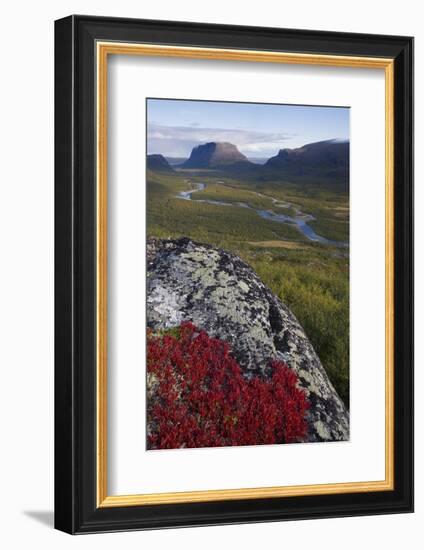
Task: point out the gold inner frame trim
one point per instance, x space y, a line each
103 50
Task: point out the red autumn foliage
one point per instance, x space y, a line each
201 399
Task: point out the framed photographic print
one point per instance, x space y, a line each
234 272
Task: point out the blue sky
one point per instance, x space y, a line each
174 127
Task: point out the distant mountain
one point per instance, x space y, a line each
321 159
322 162
214 155
258 160
175 161
158 162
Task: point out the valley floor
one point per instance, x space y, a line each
311 277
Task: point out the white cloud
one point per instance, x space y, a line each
179 140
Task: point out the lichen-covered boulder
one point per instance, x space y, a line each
221 294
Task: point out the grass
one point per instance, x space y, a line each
316 288
217 191
292 245
333 229
312 279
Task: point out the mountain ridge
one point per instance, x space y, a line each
326 160
158 162
327 157
214 154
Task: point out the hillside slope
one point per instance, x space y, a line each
221 294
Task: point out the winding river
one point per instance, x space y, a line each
299 221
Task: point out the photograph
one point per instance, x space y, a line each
247 273
234 272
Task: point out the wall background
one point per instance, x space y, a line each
26 274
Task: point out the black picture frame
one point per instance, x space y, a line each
76 509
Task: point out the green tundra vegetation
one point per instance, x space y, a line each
311 278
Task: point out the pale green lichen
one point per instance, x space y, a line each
322 430
243 286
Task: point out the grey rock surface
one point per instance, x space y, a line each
221 294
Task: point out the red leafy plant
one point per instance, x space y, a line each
198 397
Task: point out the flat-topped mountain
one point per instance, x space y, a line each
323 162
328 158
214 155
158 162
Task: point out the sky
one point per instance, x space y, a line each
174 127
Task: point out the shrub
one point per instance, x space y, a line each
198 397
